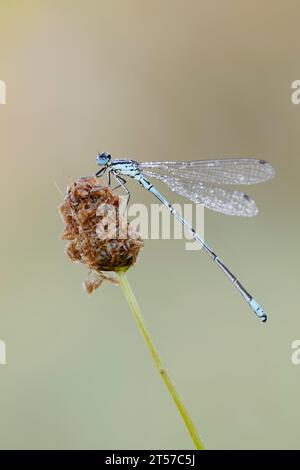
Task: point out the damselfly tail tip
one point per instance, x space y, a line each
263 317
258 310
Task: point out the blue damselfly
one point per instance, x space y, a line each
199 181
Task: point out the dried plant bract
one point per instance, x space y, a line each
99 235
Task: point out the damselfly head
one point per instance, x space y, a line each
103 158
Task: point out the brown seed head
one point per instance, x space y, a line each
99 235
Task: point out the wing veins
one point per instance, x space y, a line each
223 171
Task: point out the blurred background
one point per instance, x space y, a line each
151 80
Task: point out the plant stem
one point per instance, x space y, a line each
155 356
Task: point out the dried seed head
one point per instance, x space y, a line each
99 235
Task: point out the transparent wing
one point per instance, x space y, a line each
226 171
227 201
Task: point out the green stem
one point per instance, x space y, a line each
155 356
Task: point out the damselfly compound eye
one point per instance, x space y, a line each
98 232
103 158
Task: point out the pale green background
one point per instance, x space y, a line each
153 80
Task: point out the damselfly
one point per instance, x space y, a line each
198 181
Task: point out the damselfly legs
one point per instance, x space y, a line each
199 181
